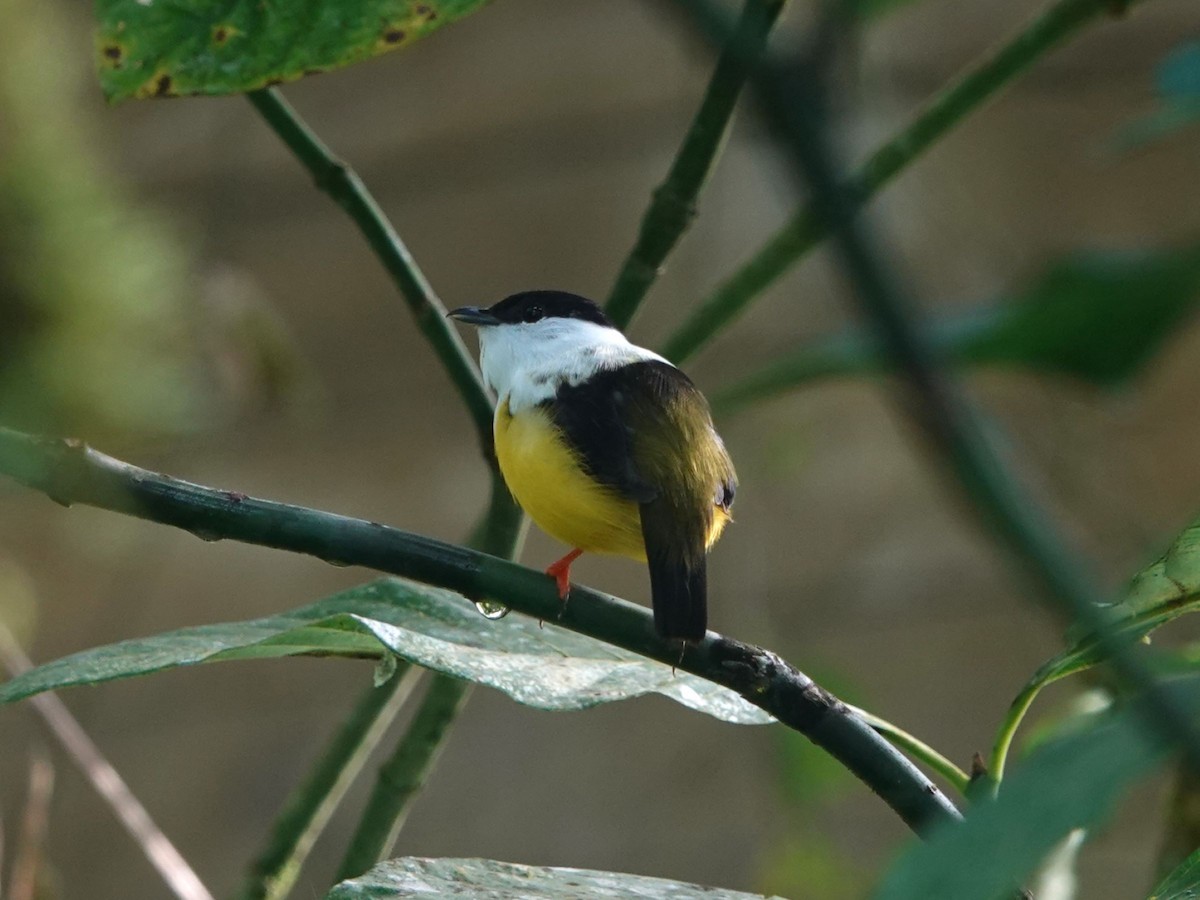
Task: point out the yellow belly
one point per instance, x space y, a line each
546 478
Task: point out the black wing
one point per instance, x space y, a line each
595 419
645 431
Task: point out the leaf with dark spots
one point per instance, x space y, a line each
186 47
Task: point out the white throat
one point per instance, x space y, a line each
526 363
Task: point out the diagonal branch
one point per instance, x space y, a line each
342 183
793 103
673 205
806 229
70 472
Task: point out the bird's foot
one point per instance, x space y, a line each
561 573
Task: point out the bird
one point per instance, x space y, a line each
606 445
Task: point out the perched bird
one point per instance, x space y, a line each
607 446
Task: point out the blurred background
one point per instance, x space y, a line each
173 289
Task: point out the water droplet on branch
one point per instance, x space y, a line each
490 609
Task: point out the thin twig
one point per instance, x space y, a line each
314 800
70 472
673 203
170 864
342 183
403 775
35 825
806 229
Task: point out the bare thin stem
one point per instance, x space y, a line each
937 118
70 472
342 183
35 825
673 203
167 861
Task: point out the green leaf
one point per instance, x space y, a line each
155 48
544 667
1163 591
488 879
1073 782
1183 883
1094 316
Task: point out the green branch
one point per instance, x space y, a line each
499 530
403 775
342 183
70 472
934 121
673 203
1008 729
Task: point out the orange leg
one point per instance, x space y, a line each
561 573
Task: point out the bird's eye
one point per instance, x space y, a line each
533 314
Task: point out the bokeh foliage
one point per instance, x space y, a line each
95 289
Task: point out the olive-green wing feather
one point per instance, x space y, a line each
676 449
646 431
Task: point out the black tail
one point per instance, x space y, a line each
678 575
680 597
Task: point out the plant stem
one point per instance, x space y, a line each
793 101
311 803
914 746
307 811
500 531
853 353
70 472
673 203
932 122
342 183
179 877
403 775
1008 729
